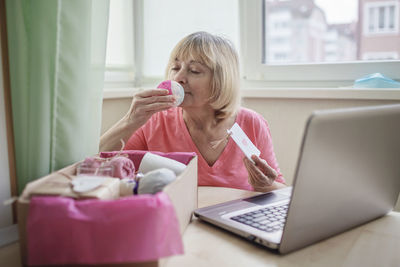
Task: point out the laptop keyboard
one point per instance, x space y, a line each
269 219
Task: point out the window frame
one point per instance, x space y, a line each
290 75
118 76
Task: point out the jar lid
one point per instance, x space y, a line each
174 89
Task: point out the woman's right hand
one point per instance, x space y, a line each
146 103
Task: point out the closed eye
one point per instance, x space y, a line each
175 67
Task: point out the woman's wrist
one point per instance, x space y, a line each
123 129
127 124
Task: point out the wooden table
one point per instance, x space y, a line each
374 244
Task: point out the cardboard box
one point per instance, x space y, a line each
182 193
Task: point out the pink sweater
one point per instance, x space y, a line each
166 132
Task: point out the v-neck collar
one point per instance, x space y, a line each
221 157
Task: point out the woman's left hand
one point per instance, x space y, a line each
261 175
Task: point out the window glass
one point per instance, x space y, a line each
381 17
312 31
391 17
120 35
166 22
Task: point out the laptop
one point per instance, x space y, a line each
348 173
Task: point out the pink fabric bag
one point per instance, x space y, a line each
131 229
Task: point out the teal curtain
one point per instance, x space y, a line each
57 57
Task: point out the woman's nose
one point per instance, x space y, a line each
180 76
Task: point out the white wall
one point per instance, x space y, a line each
286 117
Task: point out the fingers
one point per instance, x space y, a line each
146 103
264 166
163 100
251 168
153 100
152 92
257 177
149 99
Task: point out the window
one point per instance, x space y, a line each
381 17
120 44
322 48
287 43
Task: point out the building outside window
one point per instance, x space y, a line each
313 38
301 24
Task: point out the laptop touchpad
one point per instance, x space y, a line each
266 198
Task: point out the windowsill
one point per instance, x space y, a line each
300 93
324 93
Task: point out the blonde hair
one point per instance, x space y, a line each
220 56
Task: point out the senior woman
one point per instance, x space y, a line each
207 67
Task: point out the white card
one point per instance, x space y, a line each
243 142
